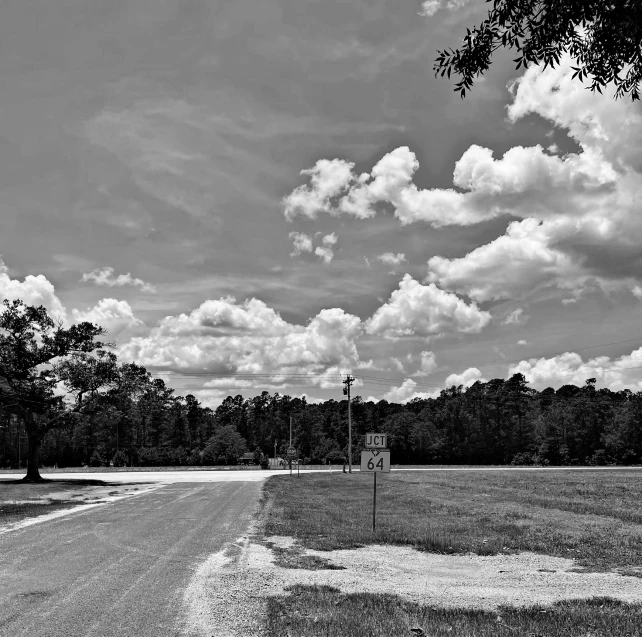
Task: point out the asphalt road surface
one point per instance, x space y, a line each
119 569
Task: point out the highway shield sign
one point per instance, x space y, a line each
375 461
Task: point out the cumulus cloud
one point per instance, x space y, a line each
115 316
516 317
392 259
325 253
428 364
425 311
579 226
467 378
430 7
483 274
328 178
582 229
106 277
302 243
329 239
34 290
407 392
570 369
522 342
224 336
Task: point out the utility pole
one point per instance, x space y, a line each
346 391
289 456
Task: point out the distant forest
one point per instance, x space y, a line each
499 422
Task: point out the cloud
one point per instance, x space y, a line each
34 290
483 274
428 364
224 336
523 342
569 368
328 178
406 392
115 316
525 182
302 243
329 239
392 259
106 277
430 7
325 253
425 311
516 317
467 378
578 224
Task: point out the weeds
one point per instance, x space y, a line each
311 611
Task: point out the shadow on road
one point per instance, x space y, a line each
80 482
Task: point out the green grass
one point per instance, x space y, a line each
324 611
594 517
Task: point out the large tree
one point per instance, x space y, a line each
604 38
30 346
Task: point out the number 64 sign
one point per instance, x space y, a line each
375 461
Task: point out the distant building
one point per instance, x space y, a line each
247 458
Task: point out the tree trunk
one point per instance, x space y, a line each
33 451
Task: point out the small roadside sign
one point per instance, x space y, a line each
376 441
375 460
292 452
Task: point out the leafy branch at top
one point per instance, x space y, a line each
604 39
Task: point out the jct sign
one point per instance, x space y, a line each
376 441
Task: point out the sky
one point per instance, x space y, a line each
258 195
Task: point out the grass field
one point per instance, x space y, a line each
592 516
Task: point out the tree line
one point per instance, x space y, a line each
78 405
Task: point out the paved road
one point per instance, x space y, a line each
118 570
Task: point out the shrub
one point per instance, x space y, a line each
119 459
96 459
336 457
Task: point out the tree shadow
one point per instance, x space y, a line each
80 482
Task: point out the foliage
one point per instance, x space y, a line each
604 39
31 345
117 406
226 444
119 459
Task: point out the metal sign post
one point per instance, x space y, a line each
292 453
375 459
374 503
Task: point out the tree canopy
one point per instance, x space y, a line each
30 346
604 39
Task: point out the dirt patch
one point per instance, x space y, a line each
228 592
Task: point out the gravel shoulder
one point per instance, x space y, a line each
229 592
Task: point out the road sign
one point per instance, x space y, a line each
376 441
375 460
292 452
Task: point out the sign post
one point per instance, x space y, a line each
292 453
375 459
